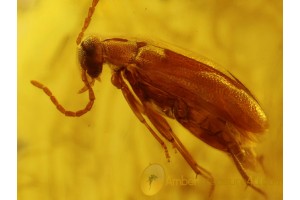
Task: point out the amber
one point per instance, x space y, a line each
164 89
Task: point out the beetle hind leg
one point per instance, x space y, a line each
145 108
164 128
244 174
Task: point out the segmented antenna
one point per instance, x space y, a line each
87 21
88 87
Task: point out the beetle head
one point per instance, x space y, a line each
90 56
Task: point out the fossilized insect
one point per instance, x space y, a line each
157 82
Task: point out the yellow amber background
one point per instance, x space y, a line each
103 154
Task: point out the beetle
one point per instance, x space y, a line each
158 83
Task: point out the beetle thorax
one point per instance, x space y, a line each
119 52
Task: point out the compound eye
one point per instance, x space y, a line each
90 56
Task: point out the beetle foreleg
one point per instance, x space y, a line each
85 88
136 107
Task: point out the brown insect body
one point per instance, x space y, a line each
205 101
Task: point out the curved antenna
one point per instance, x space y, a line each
87 21
87 86
59 107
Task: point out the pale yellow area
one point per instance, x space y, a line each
103 154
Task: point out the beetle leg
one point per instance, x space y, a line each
136 107
85 88
243 172
164 128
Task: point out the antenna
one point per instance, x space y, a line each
87 21
88 87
